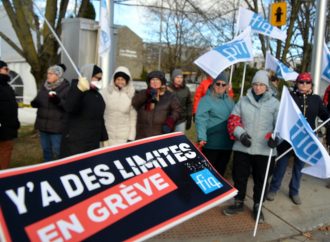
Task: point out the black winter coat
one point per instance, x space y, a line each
9 123
51 113
85 127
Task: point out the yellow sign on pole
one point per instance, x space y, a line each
278 14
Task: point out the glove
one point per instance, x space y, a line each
52 97
272 143
152 95
188 123
245 139
83 84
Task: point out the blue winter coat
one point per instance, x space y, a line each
211 121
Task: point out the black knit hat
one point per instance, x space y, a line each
121 74
156 74
96 70
3 64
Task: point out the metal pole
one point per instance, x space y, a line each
318 44
160 37
113 48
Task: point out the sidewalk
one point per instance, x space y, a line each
285 221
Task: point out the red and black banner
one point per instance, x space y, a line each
128 192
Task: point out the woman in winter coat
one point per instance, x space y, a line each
251 124
85 129
119 115
211 124
311 107
9 123
179 87
50 121
158 109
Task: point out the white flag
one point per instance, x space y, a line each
292 126
104 45
326 63
219 58
258 24
281 70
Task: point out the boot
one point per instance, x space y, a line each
237 207
255 214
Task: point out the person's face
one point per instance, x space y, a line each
259 88
155 83
97 77
120 82
304 86
51 77
178 80
220 87
4 70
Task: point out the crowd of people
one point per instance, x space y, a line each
78 116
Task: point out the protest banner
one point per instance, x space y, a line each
128 192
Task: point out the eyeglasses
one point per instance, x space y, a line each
220 84
304 82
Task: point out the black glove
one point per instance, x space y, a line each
152 94
272 143
245 139
188 123
52 96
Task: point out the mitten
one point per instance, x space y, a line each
52 97
83 84
245 139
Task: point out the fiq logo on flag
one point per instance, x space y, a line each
258 23
234 50
304 144
206 181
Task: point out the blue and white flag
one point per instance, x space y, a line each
258 24
281 70
104 45
326 63
292 126
219 58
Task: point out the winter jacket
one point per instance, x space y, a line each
326 96
184 96
150 122
119 115
258 119
9 123
85 127
50 114
311 106
201 91
211 121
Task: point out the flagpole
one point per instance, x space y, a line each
263 192
243 80
59 41
288 150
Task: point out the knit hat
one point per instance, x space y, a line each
223 76
121 74
305 76
261 77
156 74
57 70
96 70
3 64
176 72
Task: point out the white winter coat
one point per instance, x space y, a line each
119 115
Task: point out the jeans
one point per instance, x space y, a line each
51 145
279 172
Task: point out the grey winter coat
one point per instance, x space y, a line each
257 119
